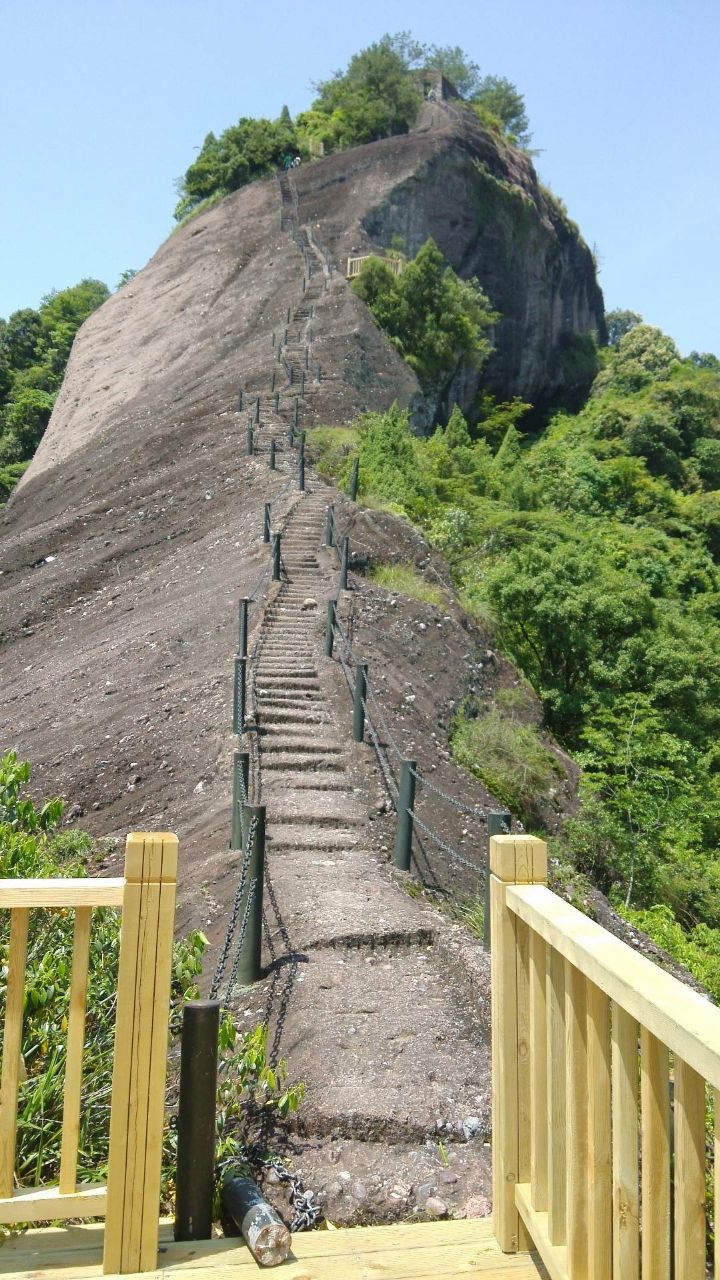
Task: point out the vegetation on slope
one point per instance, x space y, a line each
377 96
34 350
592 551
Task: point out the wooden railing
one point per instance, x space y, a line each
601 1066
355 265
130 1201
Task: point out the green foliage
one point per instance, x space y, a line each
508 757
374 98
619 323
434 319
697 949
501 100
246 151
34 350
406 581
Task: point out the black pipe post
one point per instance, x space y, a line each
301 464
271 461
291 434
249 968
195 1184
498 824
273 339
288 320
330 627
266 522
240 400
307 357
297 410
241 782
276 557
277 401
257 409
302 382
318 375
250 440
243 608
272 381
344 557
239 693
354 479
405 806
329 525
360 698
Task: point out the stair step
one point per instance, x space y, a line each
294 716
300 744
294 835
274 788
283 760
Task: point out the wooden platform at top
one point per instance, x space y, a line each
414 1251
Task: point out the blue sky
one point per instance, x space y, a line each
103 104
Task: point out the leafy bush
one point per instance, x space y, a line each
434 319
246 151
509 759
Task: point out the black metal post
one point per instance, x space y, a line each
318 375
307 357
243 607
240 400
257 409
277 401
195 1184
344 557
239 693
273 340
330 628
498 824
266 522
297 410
241 782
302 382
329 525
271 461
272 381
249 969
301 464
291 435
276 557
354 479
250 438
405 806
288 320
360 698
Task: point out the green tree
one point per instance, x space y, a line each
247 150
25 421
499 96
374 98
619 323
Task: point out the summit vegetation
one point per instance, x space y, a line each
591 549
379 94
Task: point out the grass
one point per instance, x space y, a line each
331 450
509 758
406 581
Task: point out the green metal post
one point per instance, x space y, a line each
271 462
272 381
330 627
195 1179
307 357
266 522
302 382
250 441
291 433
249 969
241 782
301 464
239 693
354 479
276 557
240 400
318 376
257 409
329 529
360 697
277 401
243 607
273 340
288 320
344 557
405 806
498 824
297 410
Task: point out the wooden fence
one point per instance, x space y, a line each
602 1068
130 1201
354 265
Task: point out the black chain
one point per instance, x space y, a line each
464 808
232 923
307 1211
448 849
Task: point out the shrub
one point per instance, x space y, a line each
508 758
406 581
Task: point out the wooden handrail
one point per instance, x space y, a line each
355 265
590 1040
130 1202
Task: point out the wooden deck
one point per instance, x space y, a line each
416 1251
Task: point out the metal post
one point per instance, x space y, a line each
273 339
330 627
288 320
240 400
250 440
344 557
329 525
266 522
249 969
302 382
360 697
272 380
195 1181
354 479
257 409
271 462
239 693
243 607
405 806
276 557
277 401
291 434
297 410
318 376
498 824
241 782
301 464
307 357
303 284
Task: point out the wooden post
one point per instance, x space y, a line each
12 1041
499 823
141 1033
513 860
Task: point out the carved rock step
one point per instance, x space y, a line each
291 702
315 805
298 743
294 715
274 760
276 787
278 668
296 836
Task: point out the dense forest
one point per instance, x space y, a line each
34 350
590 549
